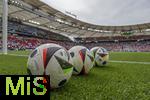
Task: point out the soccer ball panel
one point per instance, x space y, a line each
35 63
76 60
89 61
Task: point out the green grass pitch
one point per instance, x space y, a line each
116 81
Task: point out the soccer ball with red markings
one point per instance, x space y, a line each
101 56
53 60
81 59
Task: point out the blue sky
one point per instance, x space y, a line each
106 12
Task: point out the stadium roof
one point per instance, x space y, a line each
41 15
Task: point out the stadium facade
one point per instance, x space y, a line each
32 22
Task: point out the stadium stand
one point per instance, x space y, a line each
22 43
23 36
115 38
137 46
17 27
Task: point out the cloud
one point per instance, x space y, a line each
106 12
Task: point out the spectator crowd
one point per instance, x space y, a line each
23 43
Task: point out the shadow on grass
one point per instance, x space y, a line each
107 67
76 78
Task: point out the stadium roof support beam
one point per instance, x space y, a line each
81 33
32 18
4 25
74 32
62 26
92 34
35 12
45 23
16 12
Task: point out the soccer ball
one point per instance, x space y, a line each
81 59
101 56
53 60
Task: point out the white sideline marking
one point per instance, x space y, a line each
16 55
115 61
130 62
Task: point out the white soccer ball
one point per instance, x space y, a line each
53 60
101 56
81 59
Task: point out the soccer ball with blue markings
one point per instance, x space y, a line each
101 56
